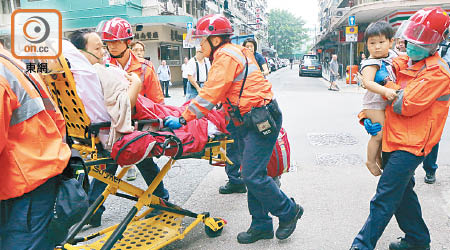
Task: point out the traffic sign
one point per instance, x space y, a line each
351 21
188 26
351 30
351 33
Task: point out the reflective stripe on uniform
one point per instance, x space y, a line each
235 54
444 98
204 103
251 68
28 106
194 109
398 103
444 65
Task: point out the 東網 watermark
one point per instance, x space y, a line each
36 33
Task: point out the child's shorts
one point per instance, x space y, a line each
374 101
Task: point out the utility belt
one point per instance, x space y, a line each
261 119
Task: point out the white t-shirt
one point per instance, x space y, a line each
184 73
191 69
87 83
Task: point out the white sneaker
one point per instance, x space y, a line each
132 174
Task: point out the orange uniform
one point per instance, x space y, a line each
152 88
32 149
225 80
415 120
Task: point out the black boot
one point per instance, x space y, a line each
96 220
253 235
403 245
287 228
230 188
430 177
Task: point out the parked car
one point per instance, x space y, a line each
310 67
285 62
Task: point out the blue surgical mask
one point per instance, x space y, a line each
416 53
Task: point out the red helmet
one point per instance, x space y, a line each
115 29
213 24
427 26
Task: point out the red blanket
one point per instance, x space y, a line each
194 135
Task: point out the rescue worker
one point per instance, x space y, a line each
32 154
236 81
117 33
413 126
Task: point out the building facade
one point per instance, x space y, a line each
334 17
159 24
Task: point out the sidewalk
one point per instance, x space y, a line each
343 86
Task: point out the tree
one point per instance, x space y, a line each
286 31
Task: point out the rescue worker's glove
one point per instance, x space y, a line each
382 75
372 128
172 122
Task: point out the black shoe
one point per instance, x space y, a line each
253 235
230 188
354 248
96 220
167 96
430 178
403 245
287 228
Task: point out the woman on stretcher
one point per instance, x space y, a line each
111 94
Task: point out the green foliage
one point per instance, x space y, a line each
286 31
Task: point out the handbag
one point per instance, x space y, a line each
71 200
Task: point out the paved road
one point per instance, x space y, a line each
330 179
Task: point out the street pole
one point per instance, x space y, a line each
351 63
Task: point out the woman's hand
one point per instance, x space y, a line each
361 79
133 78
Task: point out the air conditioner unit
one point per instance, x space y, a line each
340 11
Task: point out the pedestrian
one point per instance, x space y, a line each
197 70
362 57
291 61
251 44
400 45
334 73
138 48
236 82
33 153
164 77
376 70
423 96
184 75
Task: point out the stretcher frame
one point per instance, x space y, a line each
134 231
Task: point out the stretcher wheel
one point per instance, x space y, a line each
219 224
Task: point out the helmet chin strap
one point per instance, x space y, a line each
118 56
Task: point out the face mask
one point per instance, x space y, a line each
416 53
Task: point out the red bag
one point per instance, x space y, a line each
132 148
280 161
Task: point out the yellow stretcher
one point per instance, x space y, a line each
134 232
